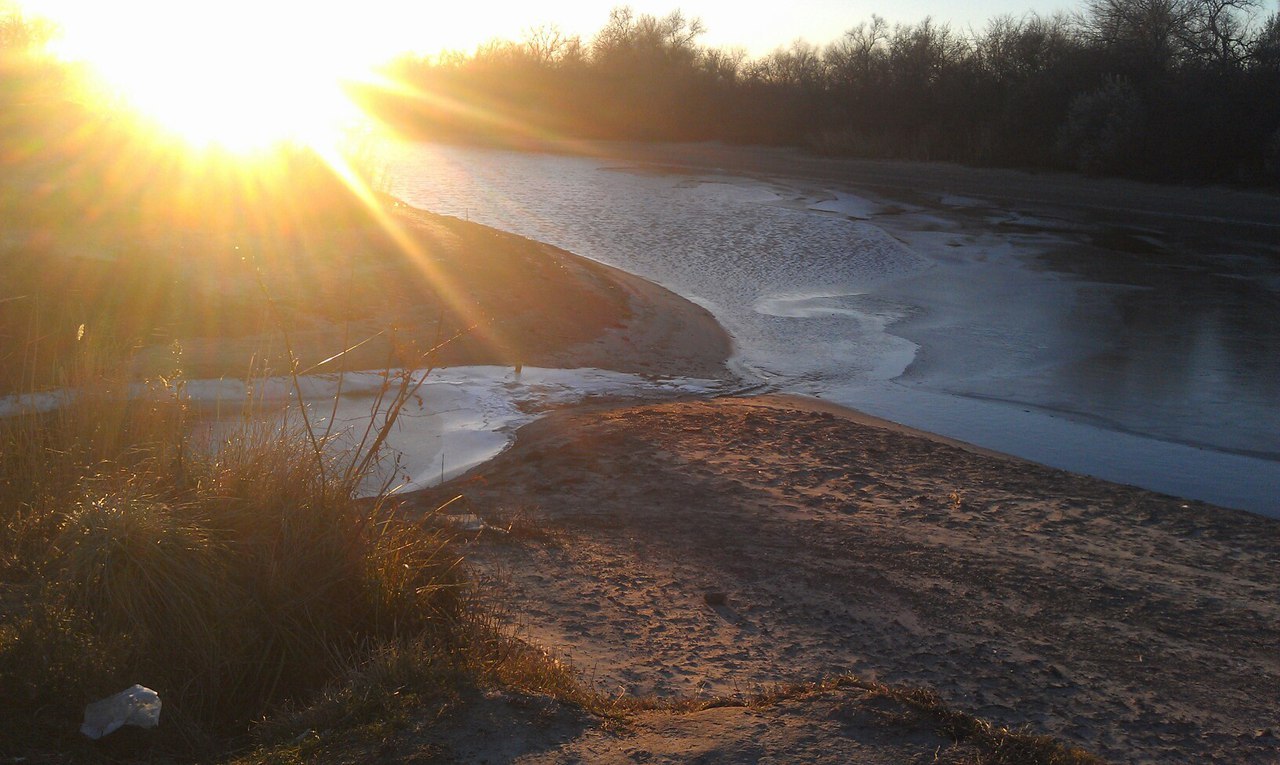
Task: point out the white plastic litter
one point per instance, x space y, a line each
138 706
465 522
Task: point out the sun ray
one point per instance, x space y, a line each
510 128
411 247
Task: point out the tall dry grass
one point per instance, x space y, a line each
232 577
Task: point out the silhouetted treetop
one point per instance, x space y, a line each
1170 89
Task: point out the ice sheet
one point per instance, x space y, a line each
460 417
848 204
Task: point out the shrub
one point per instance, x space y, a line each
1102 129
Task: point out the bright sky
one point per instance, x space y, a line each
427 26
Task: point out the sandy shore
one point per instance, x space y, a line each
716 547
497 298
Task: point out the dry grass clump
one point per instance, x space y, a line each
89 431
980 742
229 579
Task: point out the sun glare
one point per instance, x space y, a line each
238 75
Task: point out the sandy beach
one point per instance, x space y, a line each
718 547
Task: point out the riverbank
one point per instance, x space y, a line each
476 294
716 547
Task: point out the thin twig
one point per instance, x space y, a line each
405 393
293 374
340 354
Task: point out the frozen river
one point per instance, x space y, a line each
1144 354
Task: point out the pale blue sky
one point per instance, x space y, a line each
764 26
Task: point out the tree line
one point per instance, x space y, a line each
1174 90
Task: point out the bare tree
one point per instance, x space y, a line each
1144 35
1216 32
1264 48
1011 50
672 37
859 53
799 66
724 65
545 44
921 53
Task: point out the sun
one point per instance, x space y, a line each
239 75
